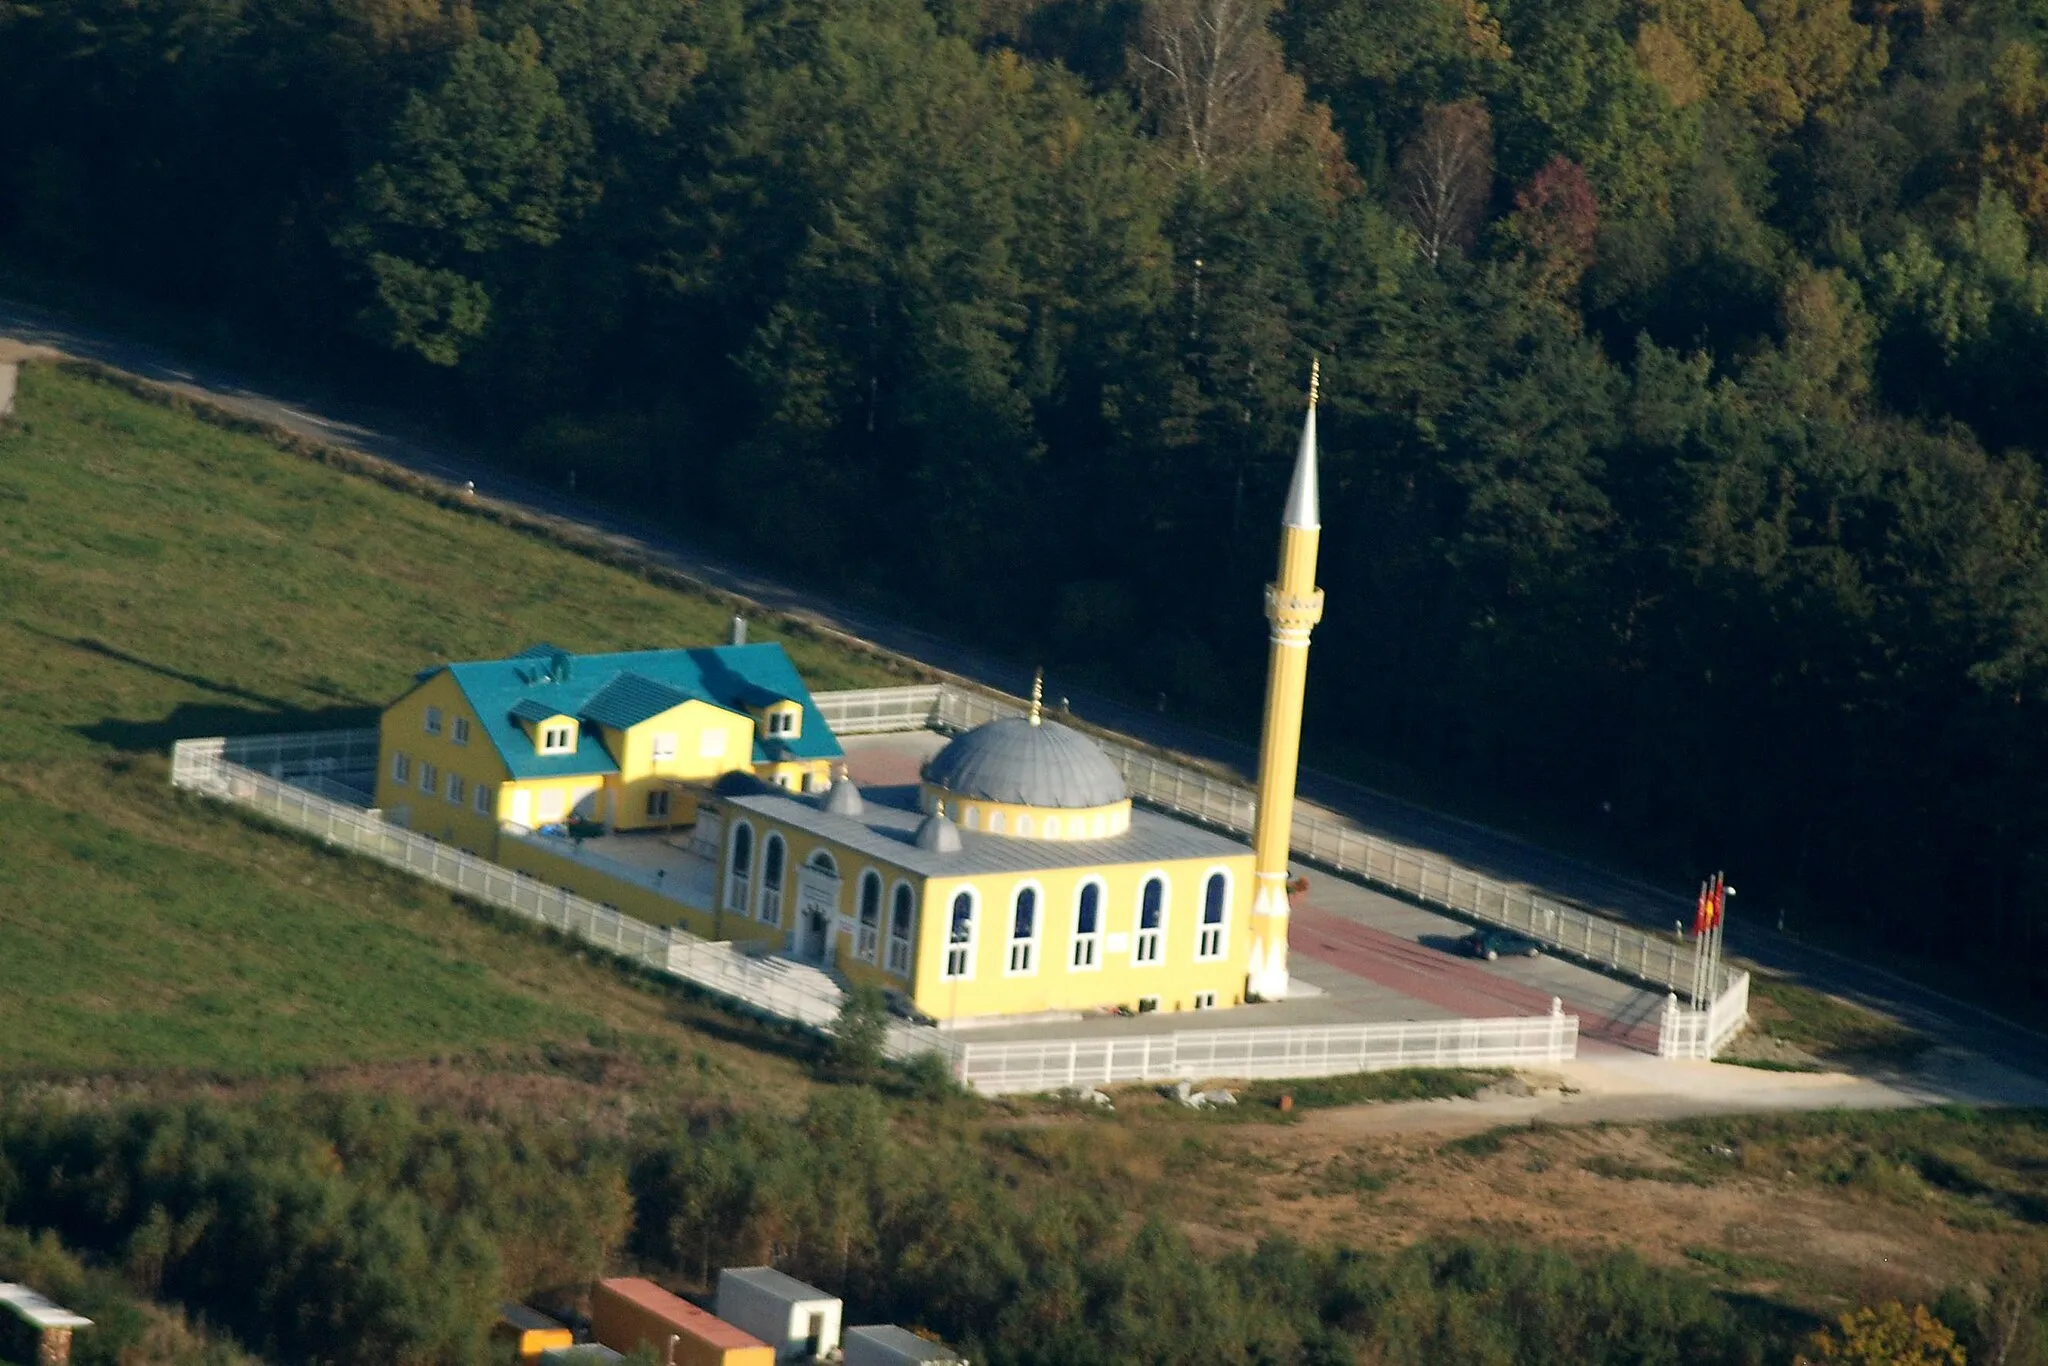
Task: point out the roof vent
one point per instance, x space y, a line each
845 798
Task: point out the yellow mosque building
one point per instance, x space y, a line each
1015 878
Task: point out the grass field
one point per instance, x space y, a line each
160 578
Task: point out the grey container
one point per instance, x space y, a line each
801 1322
885 1344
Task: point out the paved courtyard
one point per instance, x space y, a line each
1358 957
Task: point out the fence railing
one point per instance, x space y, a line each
1302 1051
876 711
302 753
1687 1033
806 997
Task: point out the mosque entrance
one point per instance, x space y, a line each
817 908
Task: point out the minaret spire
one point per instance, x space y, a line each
1304 505
1037 696
1293 605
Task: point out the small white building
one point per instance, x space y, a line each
801 1322
884 1344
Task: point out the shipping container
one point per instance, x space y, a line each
529 1331
884 1344
627 1312
801 1322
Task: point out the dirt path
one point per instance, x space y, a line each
1609 1084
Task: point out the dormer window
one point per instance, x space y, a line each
782 721
664 746
557 739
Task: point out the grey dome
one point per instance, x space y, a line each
1015 762
937 835
844 799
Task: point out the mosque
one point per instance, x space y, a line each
1015 877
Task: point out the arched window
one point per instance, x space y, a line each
772 855
822 861
1087 926
1052 827
972 818
1215 916
1151 921
1024 824
740 869
995 822
1024 931
960 939
868 936
902 912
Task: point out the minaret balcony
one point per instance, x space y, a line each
1293 611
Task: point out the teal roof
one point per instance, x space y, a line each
630 699
622 690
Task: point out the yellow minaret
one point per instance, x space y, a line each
1294 605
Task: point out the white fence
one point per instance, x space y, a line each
329 753
776 989
1322 1051
876 711
1685 1033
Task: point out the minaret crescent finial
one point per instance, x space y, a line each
1037 695
1315 379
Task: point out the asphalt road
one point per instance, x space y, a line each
321 416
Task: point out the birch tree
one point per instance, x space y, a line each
1446 174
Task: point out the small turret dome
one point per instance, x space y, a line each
844 798
937 835
1019 762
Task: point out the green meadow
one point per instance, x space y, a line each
161 577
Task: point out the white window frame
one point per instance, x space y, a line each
781 723
769 912
711 743
557 739
1022 958
483 799
1205 1000
900 945
1087 945
457 789
1212 942
1148 947
959 961
737 884
867 938
458 730
995 822
430 779
401 767
658 800
432 721
662 746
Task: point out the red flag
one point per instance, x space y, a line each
1703 913
1718 911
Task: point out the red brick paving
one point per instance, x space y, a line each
1441 979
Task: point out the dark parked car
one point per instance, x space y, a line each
903 1008
1492 944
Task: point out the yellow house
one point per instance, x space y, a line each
1049 893
621 741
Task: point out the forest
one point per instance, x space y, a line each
1682 477
348 1228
